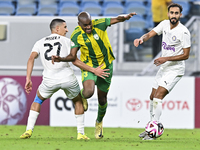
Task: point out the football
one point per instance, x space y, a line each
154 129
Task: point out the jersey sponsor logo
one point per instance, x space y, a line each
96 37
174 38
168 47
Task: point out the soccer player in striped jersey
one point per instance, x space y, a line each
92 40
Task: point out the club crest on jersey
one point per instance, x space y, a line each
72 43
174 38
96 37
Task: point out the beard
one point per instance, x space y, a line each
174 22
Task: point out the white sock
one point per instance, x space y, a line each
80 123
32 119
151 110
157 108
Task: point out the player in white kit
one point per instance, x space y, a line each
175 49
55 76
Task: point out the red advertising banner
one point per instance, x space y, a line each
197 102
15 102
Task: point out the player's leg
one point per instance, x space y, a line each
102 100
151 103
33 115
143 134
103 86
72 91
88 80
79 114
87 92
160 93
165 85
154 87
156 110
44 91
88 88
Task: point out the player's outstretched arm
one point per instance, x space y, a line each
69 58
121 18
144 38
30 64
97 71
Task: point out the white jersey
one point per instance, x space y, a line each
58 72
173 42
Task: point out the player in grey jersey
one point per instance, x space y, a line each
175 49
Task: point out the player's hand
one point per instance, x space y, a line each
55 59
101 72
160 60
127 17
137 42
28 86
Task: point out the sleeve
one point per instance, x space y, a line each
159 28
102 23
186 39
74 40
36 48
107 21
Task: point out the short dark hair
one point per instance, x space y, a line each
55 22
175 5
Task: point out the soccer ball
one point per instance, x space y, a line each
154 129
12 102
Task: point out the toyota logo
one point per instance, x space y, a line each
133 104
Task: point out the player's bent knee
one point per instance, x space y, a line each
38 100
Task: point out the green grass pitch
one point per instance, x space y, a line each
64 138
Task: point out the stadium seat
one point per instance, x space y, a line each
149 21
71 1
47 2
185 5
129 36
127 1
68 9
25 2
47 10
105 1
132 33
137 7
26 10
137 22
7 8
112 9
83 1
7 0
92 7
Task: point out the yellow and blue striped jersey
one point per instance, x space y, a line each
95 47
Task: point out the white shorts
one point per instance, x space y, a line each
71 89
166 79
